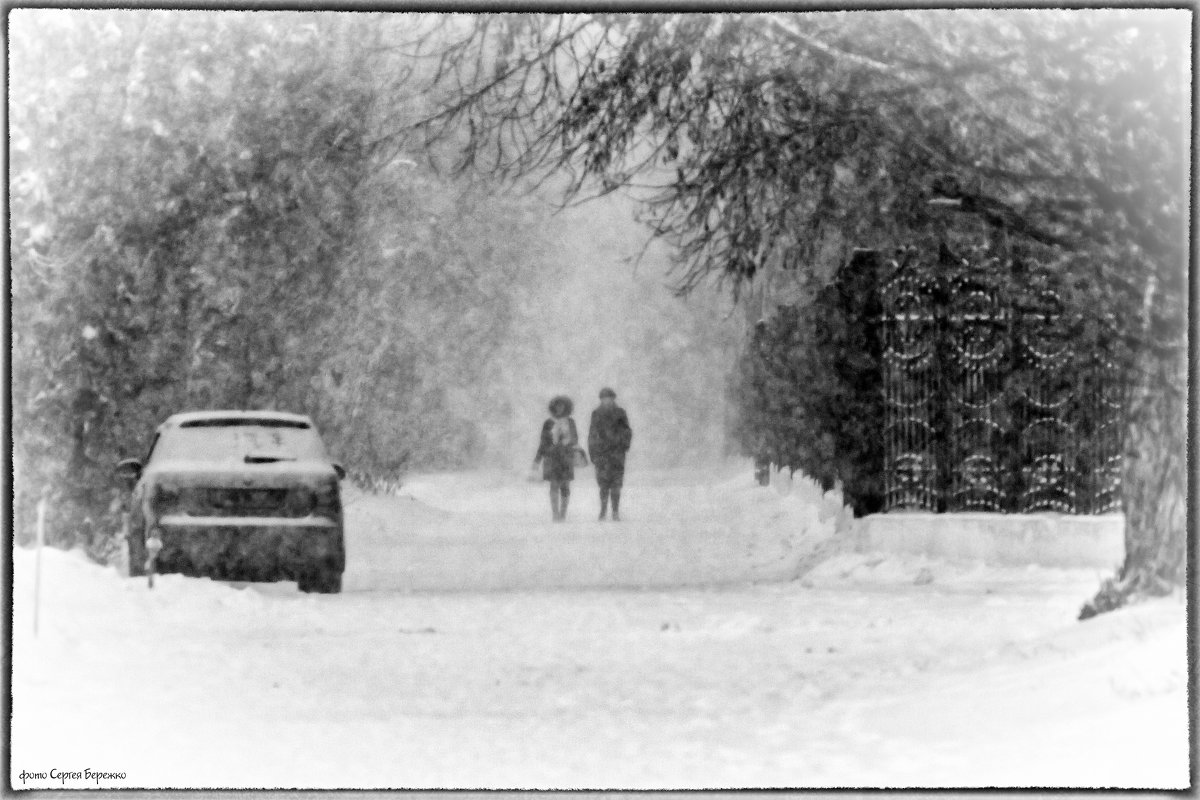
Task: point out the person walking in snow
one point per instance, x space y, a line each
556 452
609 436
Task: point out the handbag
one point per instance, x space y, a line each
580 457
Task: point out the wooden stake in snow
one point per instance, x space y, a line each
37 565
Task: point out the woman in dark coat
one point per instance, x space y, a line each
556 451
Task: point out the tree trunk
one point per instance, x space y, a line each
1154 492
1155 487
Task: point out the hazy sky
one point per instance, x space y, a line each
606 322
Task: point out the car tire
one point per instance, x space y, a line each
323 581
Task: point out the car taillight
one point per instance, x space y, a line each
328 500
165 499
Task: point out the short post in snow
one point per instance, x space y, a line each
37 565
153 545
123 544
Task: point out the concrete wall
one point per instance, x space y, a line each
1050 540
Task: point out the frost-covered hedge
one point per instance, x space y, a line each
807 389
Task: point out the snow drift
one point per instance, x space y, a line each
870 670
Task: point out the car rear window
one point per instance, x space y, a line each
240 439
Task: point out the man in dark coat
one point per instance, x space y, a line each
608 440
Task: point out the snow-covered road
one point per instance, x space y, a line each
856 674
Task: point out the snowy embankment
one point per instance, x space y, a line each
869 670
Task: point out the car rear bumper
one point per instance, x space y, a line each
249 548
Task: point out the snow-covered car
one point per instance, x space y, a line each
238 495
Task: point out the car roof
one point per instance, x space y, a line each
191 416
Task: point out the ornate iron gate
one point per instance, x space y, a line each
977 328
912 385
989 406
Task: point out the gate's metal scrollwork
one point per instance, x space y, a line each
912 384
1102 462
989 406
977 332
1047 405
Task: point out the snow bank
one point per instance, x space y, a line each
872 669
1047 539
865 677
878 570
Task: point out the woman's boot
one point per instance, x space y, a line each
554 504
